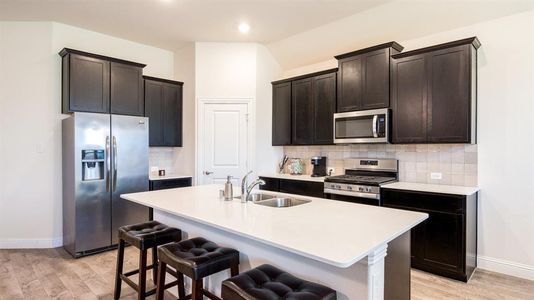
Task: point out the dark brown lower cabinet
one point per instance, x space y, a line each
446 243
290 186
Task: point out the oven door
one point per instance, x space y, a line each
354 197
368 126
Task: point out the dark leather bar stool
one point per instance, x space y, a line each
267 282
143 236
196 258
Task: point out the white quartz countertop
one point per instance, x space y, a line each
168 176
432 188
294 177
333 232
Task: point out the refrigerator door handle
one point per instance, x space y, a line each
108 163
114 164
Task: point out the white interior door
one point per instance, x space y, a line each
224 134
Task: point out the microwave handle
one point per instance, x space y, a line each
375 126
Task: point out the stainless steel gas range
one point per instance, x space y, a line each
361 184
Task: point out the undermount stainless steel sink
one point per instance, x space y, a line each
282 202
258 197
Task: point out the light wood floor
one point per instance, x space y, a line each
53 274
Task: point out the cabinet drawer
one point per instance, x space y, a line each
271 184
423 201
169 183
300 187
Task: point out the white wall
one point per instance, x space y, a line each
30 116
184 70
267 68
225 70
505 136
233 71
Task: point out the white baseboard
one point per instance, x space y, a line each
31 243
506 267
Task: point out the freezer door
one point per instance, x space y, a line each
129 144
91 181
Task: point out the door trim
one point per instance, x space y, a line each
199 130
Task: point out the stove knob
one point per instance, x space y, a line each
349 188
338 186
361 189
369 189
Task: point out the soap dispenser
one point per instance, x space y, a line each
228 191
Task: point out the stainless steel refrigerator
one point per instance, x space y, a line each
104 156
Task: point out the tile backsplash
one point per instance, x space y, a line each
161 157
457 163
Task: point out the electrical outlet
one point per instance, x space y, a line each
331 171
436 176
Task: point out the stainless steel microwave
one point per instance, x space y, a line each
362 127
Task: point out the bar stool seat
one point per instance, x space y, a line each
150 234
267 282
196 258
143 236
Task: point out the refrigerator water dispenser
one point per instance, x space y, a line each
92 165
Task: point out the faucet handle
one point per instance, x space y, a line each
244 180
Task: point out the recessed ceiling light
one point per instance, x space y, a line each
244 27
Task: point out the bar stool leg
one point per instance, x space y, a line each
160 292
196 293
142 275
120 263
234 270
181 286
155 264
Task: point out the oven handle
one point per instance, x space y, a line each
354 194
375 126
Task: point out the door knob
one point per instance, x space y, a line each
207 173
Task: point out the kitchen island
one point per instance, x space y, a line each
338 244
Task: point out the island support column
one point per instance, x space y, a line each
376 273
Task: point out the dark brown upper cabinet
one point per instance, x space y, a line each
127 89
314 102
163 106
100 84
303 109
363 81
281 114
324 105
433 94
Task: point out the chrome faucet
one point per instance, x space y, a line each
246 190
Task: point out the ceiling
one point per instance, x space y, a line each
170 24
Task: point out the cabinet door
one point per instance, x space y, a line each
281 114
301 187
375 79
302 112
85 84
324 98
409 99
172 120
127 90
154 112
350 85
449 103
438 243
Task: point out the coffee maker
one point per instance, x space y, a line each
319 166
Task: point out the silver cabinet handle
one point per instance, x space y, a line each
375 126
108 162
207 173
115 165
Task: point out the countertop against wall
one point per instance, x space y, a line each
295 177
168 176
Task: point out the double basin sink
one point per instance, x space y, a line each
276 201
